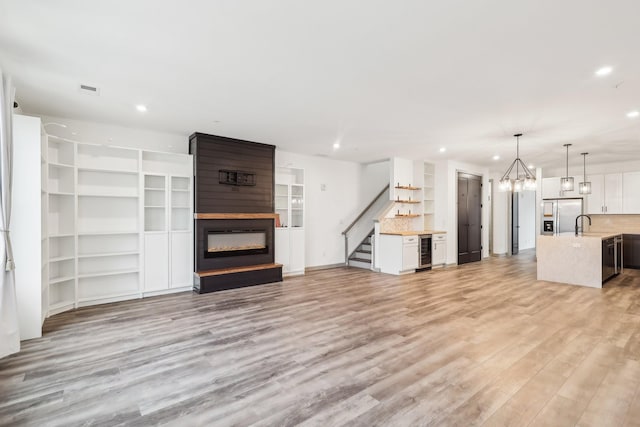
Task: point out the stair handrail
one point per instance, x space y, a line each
364 211
346 231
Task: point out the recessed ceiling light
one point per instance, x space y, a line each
74 133
336 145
633 114
496 157
142 108
443 149
530 166
604 71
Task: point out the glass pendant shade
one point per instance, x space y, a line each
518 185
524 178
505 185
566 183
530 183
585 186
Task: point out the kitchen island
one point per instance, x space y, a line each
576 260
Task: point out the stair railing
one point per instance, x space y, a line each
361 227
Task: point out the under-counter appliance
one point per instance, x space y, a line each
559 215
424 261
612 256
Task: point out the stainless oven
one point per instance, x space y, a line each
425 246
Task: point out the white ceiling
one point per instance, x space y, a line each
385 78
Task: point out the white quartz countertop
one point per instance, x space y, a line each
604 235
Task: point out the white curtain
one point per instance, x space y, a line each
9 329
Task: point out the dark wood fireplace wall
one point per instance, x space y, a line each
231 175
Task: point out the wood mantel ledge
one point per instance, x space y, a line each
235 215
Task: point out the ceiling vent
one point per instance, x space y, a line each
89 90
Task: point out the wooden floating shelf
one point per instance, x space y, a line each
407 201
406 187
407 215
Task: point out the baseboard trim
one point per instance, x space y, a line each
324 267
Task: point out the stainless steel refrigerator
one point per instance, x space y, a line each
559 215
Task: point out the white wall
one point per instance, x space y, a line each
26 224
453 167
100 133
527 220
328 212
500 217
374 177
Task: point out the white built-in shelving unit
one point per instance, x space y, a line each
168 223
103 203
428 195
289 205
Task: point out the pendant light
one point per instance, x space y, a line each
523 181
584 187
566 182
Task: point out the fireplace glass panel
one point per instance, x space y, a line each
235 242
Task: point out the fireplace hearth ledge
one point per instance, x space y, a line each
236 277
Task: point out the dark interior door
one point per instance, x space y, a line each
469 218
515 223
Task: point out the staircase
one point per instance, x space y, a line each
361 257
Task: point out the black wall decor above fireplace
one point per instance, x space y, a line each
231 175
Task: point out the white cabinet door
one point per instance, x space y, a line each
630 193
390 254
181 260
156 254
296 255
439 250
282 248
410 252
613 193
595 200
551 188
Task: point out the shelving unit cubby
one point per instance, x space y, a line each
428 195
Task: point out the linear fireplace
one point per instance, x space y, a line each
230 242
224 243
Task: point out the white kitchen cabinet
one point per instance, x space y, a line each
606 194
551 188
439 250
398 254
630 193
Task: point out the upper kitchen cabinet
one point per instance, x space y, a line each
606 194
551 188
630 194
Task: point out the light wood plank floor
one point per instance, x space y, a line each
479 344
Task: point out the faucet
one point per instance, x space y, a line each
578 217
